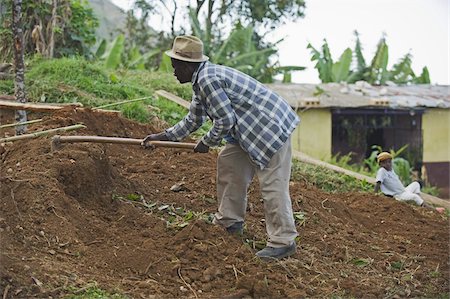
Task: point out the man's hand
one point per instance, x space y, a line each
154 137
201 148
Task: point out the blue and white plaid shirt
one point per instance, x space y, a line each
242 109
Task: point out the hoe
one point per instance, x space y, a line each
58 140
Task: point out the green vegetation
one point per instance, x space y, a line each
69 80
92 291
352 67
175 217
64 30
328 180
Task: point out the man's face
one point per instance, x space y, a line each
181 71
387 164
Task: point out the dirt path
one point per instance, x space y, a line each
106 214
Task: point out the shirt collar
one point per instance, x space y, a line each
195 75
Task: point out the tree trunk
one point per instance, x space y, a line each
19 82
51 43
208 30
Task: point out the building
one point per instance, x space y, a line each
344 118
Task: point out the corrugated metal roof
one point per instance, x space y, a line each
362 94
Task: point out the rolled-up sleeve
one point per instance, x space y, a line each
190 123
221 112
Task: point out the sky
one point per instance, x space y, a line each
421 27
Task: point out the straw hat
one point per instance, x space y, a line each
187 48
383 156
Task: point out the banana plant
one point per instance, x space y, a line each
376 73
379 74
241 50
361 68
330 71
114 53
324 61
424 77
402 72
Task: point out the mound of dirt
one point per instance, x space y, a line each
106 214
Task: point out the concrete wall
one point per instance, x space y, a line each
436 135
436 148
313 135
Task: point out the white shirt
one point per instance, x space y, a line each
390 183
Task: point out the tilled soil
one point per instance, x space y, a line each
105 215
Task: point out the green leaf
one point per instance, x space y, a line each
318 91
113 78
360 61
139 61
287 77
402 72
324 62
101 49
361 263
397 265
256 53
114 56
133 197
424 77
378 71
341 68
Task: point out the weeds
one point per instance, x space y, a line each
361 263
92 291
175 217
300 218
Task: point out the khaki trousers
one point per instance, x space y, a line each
235 172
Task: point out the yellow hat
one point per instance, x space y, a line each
383 156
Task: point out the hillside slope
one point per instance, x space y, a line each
105 215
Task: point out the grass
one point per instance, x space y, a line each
328 180
69 80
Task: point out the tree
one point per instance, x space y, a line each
52 28
21 115
217 17
211 20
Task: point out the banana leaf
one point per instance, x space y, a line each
114 56
341 68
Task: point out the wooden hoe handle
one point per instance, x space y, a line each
57 140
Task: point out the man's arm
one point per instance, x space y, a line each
190 123
220 111
377 187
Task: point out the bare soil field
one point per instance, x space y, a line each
106 215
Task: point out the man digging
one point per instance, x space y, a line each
256 125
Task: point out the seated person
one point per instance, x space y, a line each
389 183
